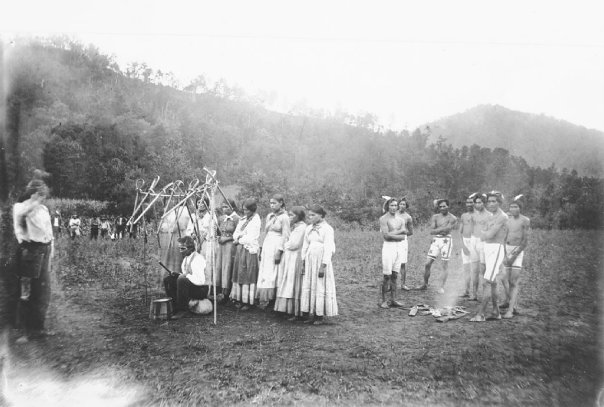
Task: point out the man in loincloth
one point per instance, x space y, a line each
465 230
442 224
392 228
494 252
403 207
518 228
479 222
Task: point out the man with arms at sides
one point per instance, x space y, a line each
479 222
465 230
33 230
403 206
191 283
442 224
494 238
518 227
391 227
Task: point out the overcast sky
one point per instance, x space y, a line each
408 62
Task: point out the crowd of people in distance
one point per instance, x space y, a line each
492 242
290 272
104 227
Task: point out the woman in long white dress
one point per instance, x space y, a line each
318 284
277 232
289 282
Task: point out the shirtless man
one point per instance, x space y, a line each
494 238
442 224
518 227
479 222
465 231
403 206
392 228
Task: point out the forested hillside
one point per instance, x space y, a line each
540 140
96 127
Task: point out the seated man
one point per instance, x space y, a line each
191 283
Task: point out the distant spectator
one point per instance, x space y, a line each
95 222
75 225
120 226
57 223
105 227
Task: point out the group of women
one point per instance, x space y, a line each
291 270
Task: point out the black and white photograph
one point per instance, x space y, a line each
301 203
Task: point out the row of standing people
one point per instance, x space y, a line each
102 227
493 245
291 270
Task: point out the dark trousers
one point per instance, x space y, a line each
181 290
94 232
31 313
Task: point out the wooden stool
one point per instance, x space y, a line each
161 309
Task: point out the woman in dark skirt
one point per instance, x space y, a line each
245 270
225 253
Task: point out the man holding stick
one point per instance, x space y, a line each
403 207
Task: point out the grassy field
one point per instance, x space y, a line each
107 351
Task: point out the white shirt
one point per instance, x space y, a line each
31 221
249 236
193 267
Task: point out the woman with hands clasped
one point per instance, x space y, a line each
318 284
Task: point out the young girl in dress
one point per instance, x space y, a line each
289 282
271 267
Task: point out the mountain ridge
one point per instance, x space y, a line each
540 139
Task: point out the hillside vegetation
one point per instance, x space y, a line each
539 139
96 128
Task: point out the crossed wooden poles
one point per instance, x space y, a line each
178 198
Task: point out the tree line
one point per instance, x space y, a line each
96 129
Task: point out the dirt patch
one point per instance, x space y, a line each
545 356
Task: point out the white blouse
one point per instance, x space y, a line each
249 236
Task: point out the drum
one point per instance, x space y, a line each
161 309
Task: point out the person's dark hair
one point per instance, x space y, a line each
482 197
187 241
497 195
250 204
438 202
205 200
34 186
318 209
405 201
387 204
232 203
299 211
518 203
279 198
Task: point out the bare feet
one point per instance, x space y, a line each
422 287
405 288
397 304
244 308
508 315
441 290
494 317
478 318
384 305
